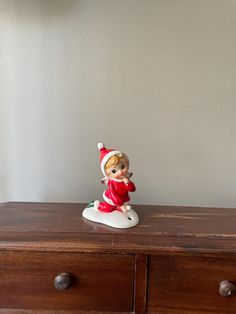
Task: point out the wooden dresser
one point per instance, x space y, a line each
178 260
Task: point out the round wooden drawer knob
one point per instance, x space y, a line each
227 288
62 281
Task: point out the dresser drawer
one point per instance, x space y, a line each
96 282
189 283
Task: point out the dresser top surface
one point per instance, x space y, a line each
166 227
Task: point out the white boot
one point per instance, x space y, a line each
96 204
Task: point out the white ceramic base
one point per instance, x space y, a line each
115 219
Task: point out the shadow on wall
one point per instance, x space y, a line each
26 13
32 9
3 134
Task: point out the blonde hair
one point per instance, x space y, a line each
115 160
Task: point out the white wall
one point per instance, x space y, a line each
156 79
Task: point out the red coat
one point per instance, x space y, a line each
117 192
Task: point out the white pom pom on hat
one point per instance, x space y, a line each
100 146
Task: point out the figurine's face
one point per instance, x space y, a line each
118 171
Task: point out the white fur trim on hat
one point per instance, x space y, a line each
106 158
100 146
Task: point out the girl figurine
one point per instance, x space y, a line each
114 210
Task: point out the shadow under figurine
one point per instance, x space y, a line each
114 210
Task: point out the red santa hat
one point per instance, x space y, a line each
105 155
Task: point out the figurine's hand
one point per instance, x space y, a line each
126 180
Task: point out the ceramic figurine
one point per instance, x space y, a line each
113 210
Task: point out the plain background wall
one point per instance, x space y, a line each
156 79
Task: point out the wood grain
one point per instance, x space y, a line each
60 227
99 282
189 282
140 283
21 311
171 263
